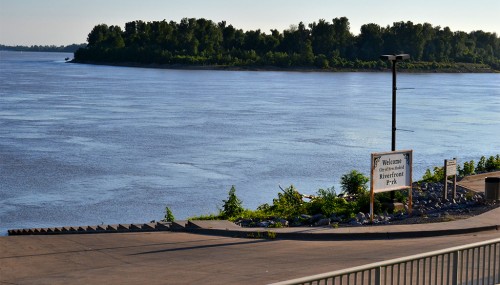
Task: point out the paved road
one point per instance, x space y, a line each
183 258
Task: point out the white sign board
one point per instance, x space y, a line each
391 170
451 167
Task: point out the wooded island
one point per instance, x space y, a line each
320 45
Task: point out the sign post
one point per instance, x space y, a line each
450 169
391 171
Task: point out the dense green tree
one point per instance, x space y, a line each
103 36
370 43
322 37
405 37
344 40
437 43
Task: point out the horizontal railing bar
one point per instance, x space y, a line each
386 263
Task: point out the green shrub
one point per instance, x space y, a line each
271 235
327 203
276 225
169 216
354 183
362 204
468 169
209 217
232 206
436 176
324 202
252 214
428 176
481 165
492 163
288 204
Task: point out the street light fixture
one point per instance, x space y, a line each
394 59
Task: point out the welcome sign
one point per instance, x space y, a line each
391 170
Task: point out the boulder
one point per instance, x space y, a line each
264 224
323 222
360 216
316 218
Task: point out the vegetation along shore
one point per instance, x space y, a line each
350 207
322 45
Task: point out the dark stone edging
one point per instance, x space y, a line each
118 228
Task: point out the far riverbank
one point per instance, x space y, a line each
420 67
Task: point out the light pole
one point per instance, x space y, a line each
394 59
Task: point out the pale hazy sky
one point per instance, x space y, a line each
63 22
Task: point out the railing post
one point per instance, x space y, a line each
378 275
457 255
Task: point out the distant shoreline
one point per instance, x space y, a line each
461 68
43 48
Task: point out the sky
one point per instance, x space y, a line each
64 22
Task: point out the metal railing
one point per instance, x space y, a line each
477 263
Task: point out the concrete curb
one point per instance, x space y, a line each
300 234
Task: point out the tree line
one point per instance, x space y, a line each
44 48
321 44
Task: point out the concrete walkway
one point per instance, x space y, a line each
192 257
476 182
185 258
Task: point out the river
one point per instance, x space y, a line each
87 144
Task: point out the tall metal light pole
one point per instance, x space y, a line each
394 59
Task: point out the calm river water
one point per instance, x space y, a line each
85 144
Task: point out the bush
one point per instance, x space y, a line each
232 206
362 204
288 204
492 163
209 217
169 217
481 165
437 176
325 203
354 183
468 169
